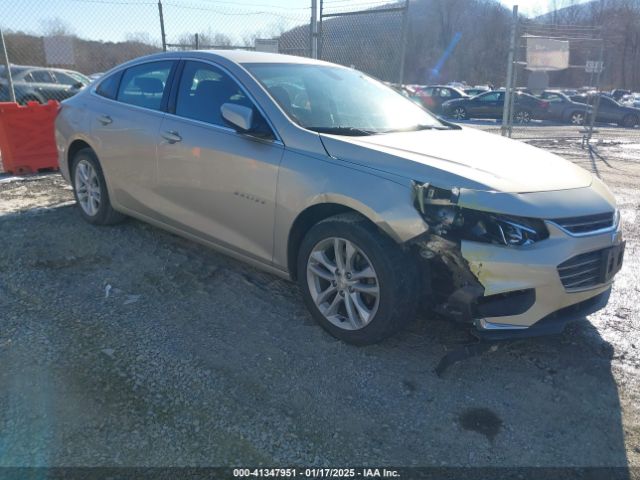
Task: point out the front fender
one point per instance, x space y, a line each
305 181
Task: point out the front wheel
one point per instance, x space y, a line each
357 283
459 113
90 190
577 118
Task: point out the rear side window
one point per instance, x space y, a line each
144 85
109 86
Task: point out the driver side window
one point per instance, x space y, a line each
204 89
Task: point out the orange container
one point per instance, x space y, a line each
27 141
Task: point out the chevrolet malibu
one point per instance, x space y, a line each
323 175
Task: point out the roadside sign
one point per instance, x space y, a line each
594 67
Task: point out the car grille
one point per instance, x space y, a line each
587 224
581 271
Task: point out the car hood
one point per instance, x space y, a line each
464 158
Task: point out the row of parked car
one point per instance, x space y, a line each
570 107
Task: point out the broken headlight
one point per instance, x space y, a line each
501 229
439 208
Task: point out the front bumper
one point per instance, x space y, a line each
532 273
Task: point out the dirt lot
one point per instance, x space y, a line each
129 346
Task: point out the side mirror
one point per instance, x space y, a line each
78 85
238 116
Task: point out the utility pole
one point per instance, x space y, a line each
510 66
405 39
164 38
7 66
313 26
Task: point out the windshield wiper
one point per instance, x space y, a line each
351 131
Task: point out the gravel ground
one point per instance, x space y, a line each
128 346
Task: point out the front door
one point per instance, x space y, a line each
214 182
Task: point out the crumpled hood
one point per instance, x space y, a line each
466 158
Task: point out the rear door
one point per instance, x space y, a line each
214 182
126 113
609 111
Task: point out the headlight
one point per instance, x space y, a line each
439 209
500 229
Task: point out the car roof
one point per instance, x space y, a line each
236 56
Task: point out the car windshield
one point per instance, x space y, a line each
339 100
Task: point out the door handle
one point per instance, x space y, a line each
105 119
171 136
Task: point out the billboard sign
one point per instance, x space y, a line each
547 54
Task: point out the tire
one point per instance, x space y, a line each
629 121
522 116
90 190
394 275
459 113
577 118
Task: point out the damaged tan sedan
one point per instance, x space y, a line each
318 173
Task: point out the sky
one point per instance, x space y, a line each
116 20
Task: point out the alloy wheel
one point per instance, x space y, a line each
577 118
459 113
343 283
523 117
87 187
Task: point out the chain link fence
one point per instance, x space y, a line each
369 36
55 51
55 54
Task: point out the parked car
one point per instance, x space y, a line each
632 100
433 96
41 84
370 202
563 109
95 76
472 92
610 111
618 93
491 104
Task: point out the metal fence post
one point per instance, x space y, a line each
405 39
7 66
510 66
320 32
197 42
164 38
313 29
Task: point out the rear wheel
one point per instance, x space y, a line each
357 283
90 190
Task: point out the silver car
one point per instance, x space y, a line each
323 175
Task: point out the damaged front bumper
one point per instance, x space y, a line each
530 290
539 271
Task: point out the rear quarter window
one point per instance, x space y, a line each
108 87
